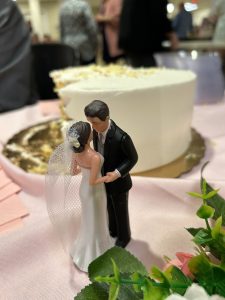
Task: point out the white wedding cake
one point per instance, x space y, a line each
153 105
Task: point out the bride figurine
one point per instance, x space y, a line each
93 237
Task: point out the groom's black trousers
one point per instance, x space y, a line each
119 225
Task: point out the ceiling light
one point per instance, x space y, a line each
170 8
190 6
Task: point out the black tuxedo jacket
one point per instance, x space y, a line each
120 154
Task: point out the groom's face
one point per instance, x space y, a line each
97 124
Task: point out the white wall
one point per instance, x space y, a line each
50 16
199 15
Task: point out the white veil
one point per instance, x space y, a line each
62 193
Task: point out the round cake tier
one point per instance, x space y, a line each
153 105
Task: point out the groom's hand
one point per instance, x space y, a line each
111 176
75 171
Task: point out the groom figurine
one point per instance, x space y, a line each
120 156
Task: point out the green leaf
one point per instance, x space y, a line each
200 265
216 229
222 264
114 291
217 246
211 277
219 281
94 291
102 266
202 169
115 286
211 194
203 271
159 276
116 271
217 202
194 231
100 291
152 292
178 281
202 237
106 279
195 195
204 191
137 278
205 212
127 293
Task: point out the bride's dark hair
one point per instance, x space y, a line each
82 130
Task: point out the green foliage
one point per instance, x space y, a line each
215 201
136 277
204 196
218 203
202 237
94 291
102 266
210 276
193 231
127 293
118 275
115 286
178 281
217 228
213 206
159 276
153 292
205 212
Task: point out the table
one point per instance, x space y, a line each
32 262
201 45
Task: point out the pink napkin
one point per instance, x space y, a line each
9 190
11 208
4 180
49 107
11 225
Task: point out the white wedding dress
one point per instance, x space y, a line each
93 238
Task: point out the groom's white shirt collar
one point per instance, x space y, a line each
104 133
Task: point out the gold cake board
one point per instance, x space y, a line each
31 148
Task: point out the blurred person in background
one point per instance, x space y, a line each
79 30
217 16
108 19
206 29
143 27
47 38
15 59
182 23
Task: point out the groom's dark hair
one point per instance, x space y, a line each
97 108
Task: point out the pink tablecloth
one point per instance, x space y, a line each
33 264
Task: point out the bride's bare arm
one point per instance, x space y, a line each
95 167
